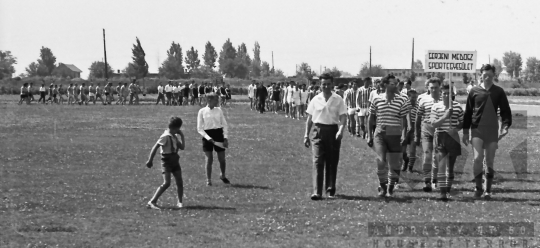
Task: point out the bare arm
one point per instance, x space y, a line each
152 154
182 144
309 124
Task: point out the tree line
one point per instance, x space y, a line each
232 62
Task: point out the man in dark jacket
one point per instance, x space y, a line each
261 94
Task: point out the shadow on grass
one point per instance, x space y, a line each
199 207
376 198
249 186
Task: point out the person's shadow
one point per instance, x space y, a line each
249 186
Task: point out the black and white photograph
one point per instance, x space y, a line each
183 123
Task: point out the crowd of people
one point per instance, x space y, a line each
394 119
172 94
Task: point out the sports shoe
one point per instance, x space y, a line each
225 180
443 197
179 205
209 183
427 188
478 192
487 195
153 205
315 197
382 191
390 191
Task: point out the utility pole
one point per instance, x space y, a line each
489 58
369 61
105 52
272 60
412 61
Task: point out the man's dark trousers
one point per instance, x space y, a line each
162 97
262 101
325 154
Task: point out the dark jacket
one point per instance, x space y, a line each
261 92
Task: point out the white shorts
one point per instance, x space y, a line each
351 111
92 94
297 102
363 112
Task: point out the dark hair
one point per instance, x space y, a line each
445 85
367 78
409 82
487 67
134 80
175 122
327 76
341 86
434 80
411 91
386 80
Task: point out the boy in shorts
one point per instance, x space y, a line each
447 120
170 164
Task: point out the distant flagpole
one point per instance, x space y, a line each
105 53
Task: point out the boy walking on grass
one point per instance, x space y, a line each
447 121
170 164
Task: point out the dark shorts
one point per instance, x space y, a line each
168 94
389 138
487 135
106 93
170 162
54 95
216 135
446 144
98 95
23 96
42 94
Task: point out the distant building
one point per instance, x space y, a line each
119 74
67 70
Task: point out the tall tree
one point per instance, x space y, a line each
32 69
47 59
265 69
139 62
7 60
376 70
418 64
210 55
304 71
97 70
192 59
498 67
513 63
130 70
242 62
532 70
334 72
172 67
256 62
227 58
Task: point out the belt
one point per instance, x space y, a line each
325 125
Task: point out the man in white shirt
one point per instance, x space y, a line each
160 94
168 93
251 93
328 114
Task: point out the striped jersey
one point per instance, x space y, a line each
414 109
350 98
438 110
424 108
363 97
389 113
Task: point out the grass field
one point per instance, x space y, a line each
74 176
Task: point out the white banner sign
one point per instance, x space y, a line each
450 61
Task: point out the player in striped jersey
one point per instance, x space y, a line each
391 110
447 122
379 89
409 155
425 130
350 96
362 103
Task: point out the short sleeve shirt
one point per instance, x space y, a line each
326 112
389 113
165 142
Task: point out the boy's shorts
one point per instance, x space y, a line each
446 144
363 112
216 135
351 111
488 135
170 162
23 96
92 94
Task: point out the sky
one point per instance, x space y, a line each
321 33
